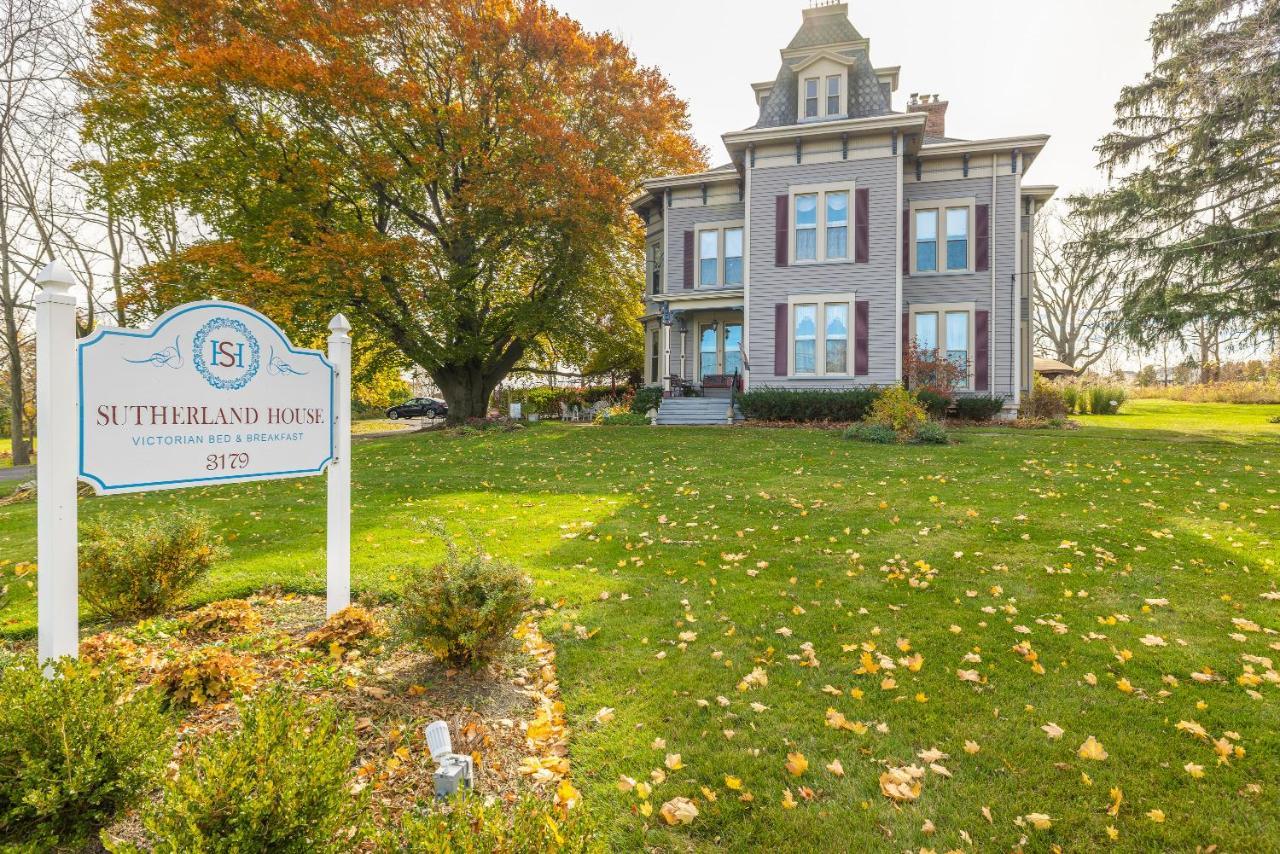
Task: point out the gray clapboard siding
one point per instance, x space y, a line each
874 281
680 220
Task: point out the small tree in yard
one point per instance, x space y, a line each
453 174
929 370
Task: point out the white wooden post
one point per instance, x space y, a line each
57 597
338 581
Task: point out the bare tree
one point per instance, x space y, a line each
1077 289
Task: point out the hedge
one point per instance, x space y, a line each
774 404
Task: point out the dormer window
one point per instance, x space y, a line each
822 87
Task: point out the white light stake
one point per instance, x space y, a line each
455 770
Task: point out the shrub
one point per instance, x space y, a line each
74 749
227 617
347 628
1106 399
931 433
206 674
646 398
139 566
930 370
898 409
1044 401
979 408
628 419
1073 397
879 434
469 824
935 404
775 404
279 783
465 608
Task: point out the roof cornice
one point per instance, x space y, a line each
794 52
1040 192
820 54
1031 143
907 121
695 180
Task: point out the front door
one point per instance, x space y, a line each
708 350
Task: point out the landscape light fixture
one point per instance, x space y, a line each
453 770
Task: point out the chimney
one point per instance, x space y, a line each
935 123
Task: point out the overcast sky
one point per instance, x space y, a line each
1008 67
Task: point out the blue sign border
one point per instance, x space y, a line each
101 334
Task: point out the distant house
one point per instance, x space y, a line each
1052 368
841 230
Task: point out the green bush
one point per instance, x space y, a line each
879 434
626 419
898 409
931 433
1073 397
468 825
775 404
137 567
1106 399
1044 401
934 403
646 398
465 608
74 749
279 783
979 408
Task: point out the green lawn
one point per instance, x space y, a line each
1126 558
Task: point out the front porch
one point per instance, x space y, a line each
697 352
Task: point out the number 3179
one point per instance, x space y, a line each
225 462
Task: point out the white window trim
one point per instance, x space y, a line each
803 78
820 339
821 190
804 98
719 228
941 309
940 206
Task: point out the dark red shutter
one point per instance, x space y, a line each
982 238
981 334
782 215
906 242
861 326
906 340
862 225
780 335
688 259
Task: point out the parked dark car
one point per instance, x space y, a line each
419 407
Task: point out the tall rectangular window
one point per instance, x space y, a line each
837 225
926 241
957 238
708 257
837 338
733 256
807 227
805 336
811 98
833 96
653 356
926 337
958 338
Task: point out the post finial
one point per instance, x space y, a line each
340 324
54 277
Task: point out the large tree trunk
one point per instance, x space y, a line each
466 390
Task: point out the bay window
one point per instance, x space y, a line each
823 220
821 340
942 236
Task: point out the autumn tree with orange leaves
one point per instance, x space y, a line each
453 174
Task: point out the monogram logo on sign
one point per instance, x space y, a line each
226 353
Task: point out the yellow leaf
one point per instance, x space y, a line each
1092 749
796 764
678 811
732 782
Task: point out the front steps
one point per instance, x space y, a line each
695 410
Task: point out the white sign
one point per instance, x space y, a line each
212 392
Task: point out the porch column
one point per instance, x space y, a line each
666 356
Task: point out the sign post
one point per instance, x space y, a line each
58 593
213 392
338 581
